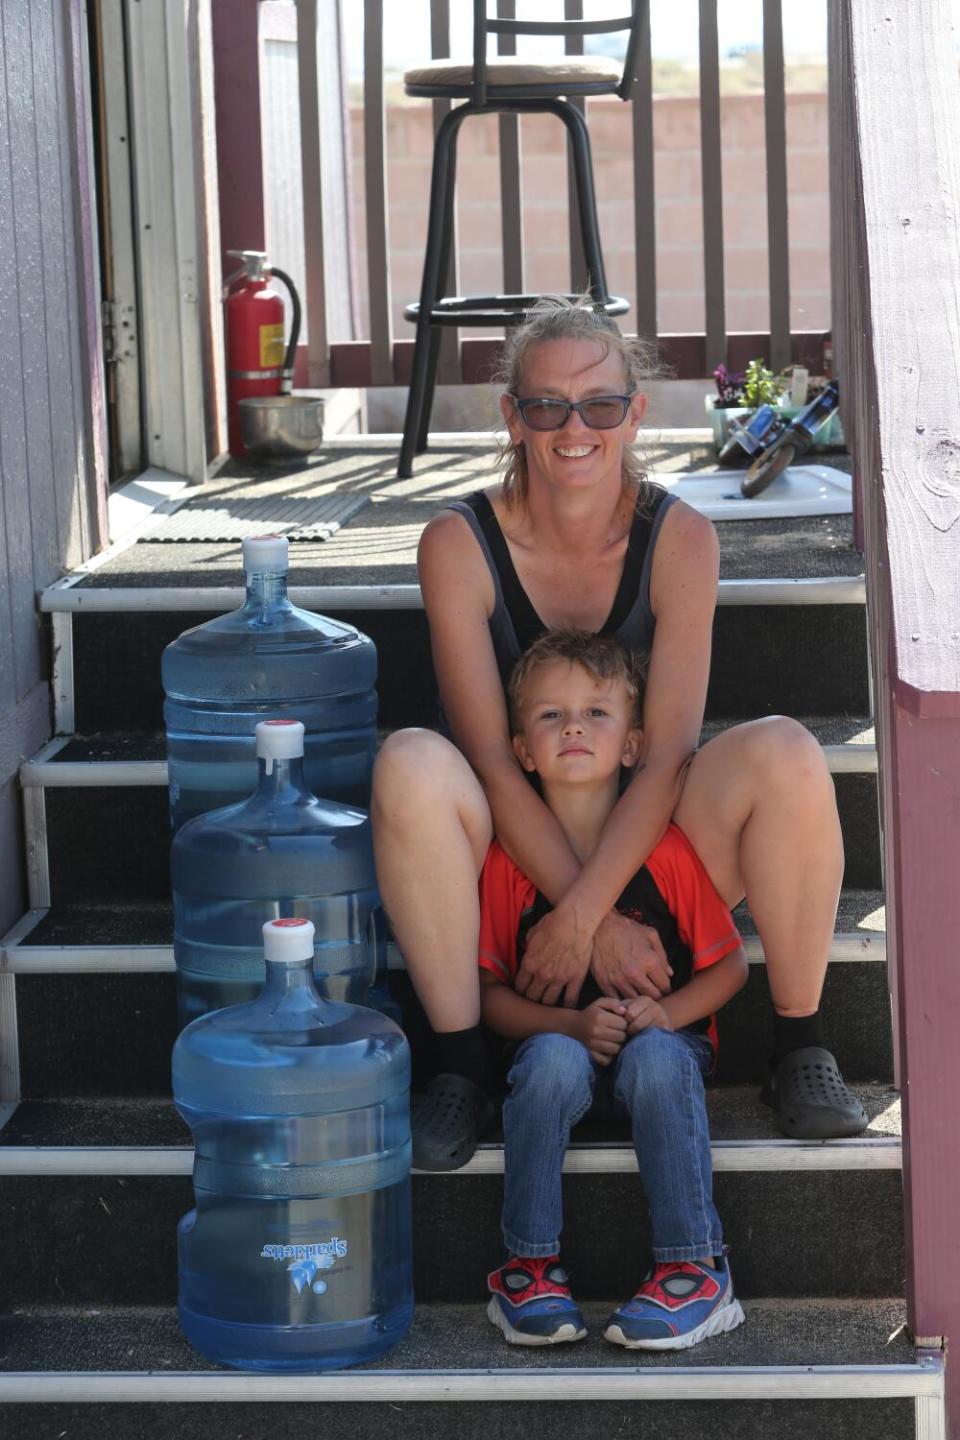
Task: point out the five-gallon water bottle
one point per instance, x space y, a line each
267 660
297 1256
281 853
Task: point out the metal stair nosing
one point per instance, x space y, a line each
64 599
44 771
613 1158
922 1382
17 957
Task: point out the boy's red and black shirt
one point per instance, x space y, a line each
672 893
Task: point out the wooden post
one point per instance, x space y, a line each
236 62
896 191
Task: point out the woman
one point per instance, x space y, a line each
574 536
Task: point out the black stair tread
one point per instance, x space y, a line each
379 545
151 922
455 1337
735 1113
857 910
129 745
116 746
145 922
828 729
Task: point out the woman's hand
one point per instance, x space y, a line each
628 959
646 1014
602 1028
556 959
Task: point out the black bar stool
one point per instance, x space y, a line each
514 85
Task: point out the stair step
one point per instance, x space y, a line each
87 1184
71 1041
83 792
379 545
147 1136
108 1238
209 598
115 684
138 938
790 587
145 1344
139 758
62 938
68 1370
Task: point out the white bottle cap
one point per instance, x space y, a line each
279 740
287 942
266 552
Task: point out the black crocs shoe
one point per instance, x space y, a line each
448 1121
811 1101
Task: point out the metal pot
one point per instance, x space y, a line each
281 428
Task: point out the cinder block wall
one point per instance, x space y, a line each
679 256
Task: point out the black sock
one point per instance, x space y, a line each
795 1032
463 1052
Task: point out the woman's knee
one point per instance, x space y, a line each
780 749
410 757
552 1070
418 771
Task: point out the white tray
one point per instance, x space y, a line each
800 490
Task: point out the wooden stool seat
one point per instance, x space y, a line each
487 310
566 75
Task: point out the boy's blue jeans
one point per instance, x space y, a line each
658 1082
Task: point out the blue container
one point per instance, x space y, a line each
297 1256
281 853
267 660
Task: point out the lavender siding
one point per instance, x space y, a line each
49 505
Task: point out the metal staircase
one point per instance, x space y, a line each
95 1164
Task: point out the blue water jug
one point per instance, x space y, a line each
297 1255
267 660
282 852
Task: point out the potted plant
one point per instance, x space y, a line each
739 396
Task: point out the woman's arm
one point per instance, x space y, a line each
458 596
683 597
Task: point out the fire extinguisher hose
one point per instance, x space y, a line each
286 383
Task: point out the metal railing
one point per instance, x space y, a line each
385 358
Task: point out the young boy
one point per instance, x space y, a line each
575 702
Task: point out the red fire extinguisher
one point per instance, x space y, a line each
257 363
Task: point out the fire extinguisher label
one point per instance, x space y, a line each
271 346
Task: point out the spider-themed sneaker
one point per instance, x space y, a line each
679 1304
531 1303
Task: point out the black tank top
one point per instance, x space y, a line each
514 624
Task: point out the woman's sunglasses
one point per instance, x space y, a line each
600 412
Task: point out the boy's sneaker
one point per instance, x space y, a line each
679 1304
531 1302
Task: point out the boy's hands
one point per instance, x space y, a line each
646 1014
629 959
602 1028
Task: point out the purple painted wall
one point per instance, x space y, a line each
52 436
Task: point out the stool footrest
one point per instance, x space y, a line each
497 309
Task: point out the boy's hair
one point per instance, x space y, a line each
601 656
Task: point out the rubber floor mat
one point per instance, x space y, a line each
227 517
